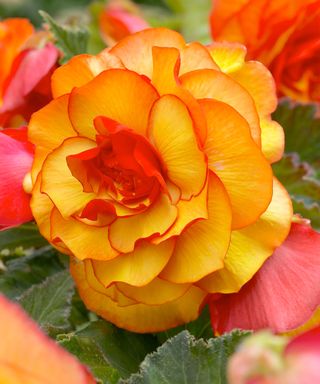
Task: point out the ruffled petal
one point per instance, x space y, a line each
240 165
208 83
140 318
80 237
80 70
137 268
251 246
59 184
131 49
129 105
283 294
171 131
201 248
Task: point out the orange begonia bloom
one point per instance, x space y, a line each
28 356
152 169
283 34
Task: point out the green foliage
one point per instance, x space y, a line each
70 40
118 352
23 272
26 236
200 328
183 359
302 130
49 302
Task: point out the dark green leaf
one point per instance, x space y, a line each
22 272
70 40
304 189
119 349
200 328
89 353
49 303
185 360
26 236
302 130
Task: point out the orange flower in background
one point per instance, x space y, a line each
25 72
152 169
119 19
282 34
28 356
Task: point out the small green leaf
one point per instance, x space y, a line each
302 130
22 272
119 349
26 236
49 303
200 328
89 353
185 360
70 40
304 189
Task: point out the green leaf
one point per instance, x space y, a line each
49 303
194 17
184 360
200 328
90 354
119 349
26 236
22 272
302 130
70 40
304 189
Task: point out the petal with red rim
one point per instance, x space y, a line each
171 131
201 248
189 211
80 237
251 246
155 220
131 49
26 352
240 165
80 70
211 84
156 292
52 118
137 268
140 317
283 294
129 106
59 184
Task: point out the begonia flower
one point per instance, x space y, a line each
28 356
284 35
152 169
119 19
24 72
267 359
16 156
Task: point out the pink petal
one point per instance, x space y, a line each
15 162
283 294
29 71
